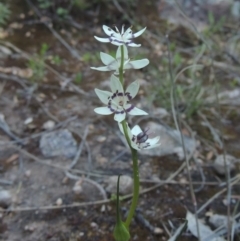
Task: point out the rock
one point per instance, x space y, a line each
218 164
48 125
170 140
58 143
218 220
4 52
125 187
5 198
197 11
145 170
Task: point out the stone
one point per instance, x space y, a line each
219 166
170 140
48 125
125 186
58 143
5 198
197 12
218 220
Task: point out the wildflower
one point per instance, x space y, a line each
114 63
140 139
117 101
117 38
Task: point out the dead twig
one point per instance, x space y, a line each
92 182
218 194
56 35
5 128
28 57
78 154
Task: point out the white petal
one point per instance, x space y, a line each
122 30
119 117
128 34
135 146
137 64
110 32
103 111
136 130
103 40
128 130
103 95
115 41
153 141
106 58
153 146
125 52
115 84
118 53
103 68
114 65
133 45
133 89
126 62
139 33
137 111
120 127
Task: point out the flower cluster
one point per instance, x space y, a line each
118 101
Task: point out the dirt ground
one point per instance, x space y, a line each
66 198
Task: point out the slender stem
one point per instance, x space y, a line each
135 177
134 156
135 188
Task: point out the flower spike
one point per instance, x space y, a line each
118 101
123 38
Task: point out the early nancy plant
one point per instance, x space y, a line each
118 102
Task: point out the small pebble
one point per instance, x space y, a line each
125 187
219 165
28 173
218 220
30 228
77 189
59 202
5 198
101 138
157 231
48 125
65 180
103 208
93 225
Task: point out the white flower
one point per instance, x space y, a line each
117 101
117 38
114 63
139 139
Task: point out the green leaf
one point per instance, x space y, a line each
120 232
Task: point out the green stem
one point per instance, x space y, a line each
135 188
135 177
134 156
